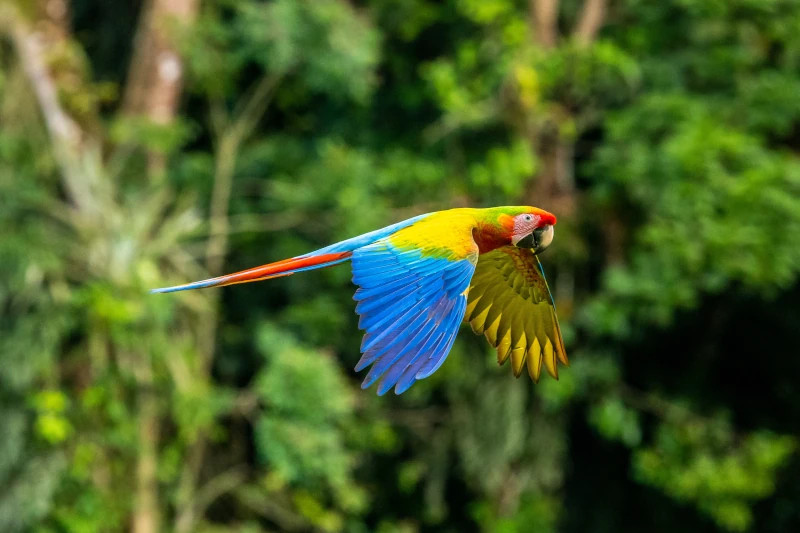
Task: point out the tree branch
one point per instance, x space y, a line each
146 515
220 484
591 19
152 91
31 51
246 115
544 20
229 134
155 78
67 137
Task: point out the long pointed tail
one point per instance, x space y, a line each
330 255
287 267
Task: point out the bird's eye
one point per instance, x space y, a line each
527 218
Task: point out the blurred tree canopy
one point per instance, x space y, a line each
152 142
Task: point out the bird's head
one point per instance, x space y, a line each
532 228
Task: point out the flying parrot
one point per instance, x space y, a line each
419 279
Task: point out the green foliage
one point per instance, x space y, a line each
616 421
325 47
704 461
300 436
329 46
536 514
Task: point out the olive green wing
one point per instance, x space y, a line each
510 303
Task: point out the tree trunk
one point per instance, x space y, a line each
591 19
544 20
146 516
155 77
554 186
153 89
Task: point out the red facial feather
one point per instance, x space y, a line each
545 217
491 236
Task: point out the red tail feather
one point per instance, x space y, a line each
286 267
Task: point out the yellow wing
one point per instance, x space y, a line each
510 302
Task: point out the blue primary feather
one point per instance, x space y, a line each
392 318
405 328
405 356
434 345
411 307
386 310
442 348
438 357
396 327
388 353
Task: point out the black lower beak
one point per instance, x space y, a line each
538 240
528 241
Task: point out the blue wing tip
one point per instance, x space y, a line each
383 388
400 388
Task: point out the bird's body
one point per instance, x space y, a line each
420 278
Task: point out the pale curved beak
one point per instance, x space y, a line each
538 240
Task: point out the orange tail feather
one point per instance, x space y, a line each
286 267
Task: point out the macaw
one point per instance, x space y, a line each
419 279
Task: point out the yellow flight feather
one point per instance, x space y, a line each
509 303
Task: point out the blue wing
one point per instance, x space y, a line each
411 306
